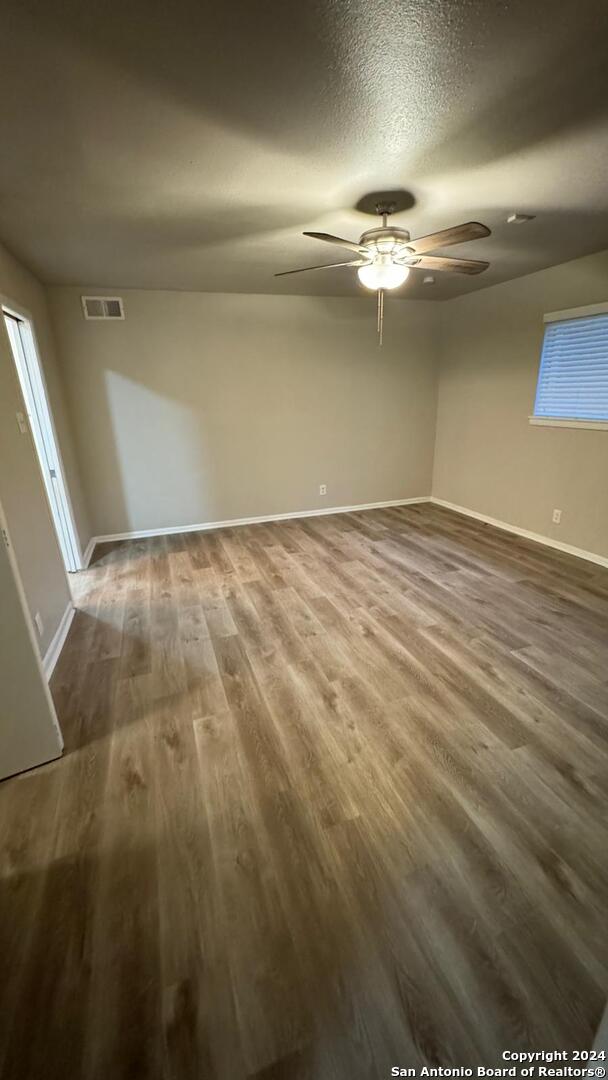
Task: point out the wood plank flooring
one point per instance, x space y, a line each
333 800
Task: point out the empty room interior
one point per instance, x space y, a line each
304 554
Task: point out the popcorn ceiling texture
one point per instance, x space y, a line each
187 145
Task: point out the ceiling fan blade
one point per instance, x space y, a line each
337 240
441 262
324 266
457 234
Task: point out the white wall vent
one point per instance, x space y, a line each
102 307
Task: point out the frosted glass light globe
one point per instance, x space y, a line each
383 273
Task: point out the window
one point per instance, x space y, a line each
573 378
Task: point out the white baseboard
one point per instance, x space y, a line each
88 551
54 650
538 538
142 534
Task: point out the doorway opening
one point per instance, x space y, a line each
33 389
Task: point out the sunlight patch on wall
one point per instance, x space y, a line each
162 442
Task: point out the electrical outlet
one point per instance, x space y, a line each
39 623
557 517
322 489
21 423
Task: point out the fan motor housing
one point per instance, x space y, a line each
386 239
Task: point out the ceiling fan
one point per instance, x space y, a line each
387 254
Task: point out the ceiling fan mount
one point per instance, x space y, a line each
386 238
388 253
385 207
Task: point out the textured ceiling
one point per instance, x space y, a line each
186 145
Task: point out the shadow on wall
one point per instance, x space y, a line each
214 408
146 423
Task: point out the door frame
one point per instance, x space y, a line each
35 396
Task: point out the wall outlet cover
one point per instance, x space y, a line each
322 489
557 517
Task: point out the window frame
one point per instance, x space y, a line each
563 421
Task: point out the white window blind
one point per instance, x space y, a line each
573 376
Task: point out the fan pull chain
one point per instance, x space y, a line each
380 316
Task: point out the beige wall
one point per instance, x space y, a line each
205 407
488 457
21 487
29 733
22 291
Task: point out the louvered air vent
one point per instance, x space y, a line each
103 307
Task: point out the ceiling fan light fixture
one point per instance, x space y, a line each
385 247
383 273
386 254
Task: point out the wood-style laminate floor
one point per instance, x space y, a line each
333 800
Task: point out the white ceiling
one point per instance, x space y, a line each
186 145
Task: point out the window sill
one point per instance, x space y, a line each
558 421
